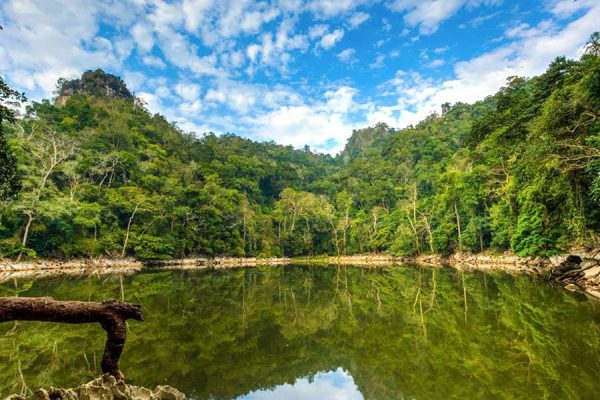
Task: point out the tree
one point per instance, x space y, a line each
49 150
593 45
9 181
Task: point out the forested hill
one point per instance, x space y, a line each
519 170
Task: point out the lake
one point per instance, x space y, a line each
316 332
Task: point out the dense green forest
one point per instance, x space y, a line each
100 175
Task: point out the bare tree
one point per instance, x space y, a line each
49 150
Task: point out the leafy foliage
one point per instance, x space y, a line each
9 181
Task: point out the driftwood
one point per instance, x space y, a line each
111 315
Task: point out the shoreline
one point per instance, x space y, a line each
578 270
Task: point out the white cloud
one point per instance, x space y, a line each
195 12
188 91
330 39
143 36
529 55
329 8
153 61
429 14
378 63
347 56
317 31
275 50
438 62
134 80
153 103
181 53
386 26
358 19
333 385
43 41
323 125
209 44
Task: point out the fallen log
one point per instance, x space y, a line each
110 314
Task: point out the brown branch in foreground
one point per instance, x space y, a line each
110 314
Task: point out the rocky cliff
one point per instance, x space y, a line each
93 83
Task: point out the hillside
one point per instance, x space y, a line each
101 175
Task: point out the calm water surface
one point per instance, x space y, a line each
301 332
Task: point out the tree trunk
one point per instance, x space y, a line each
458 228
25 235
429 233
110 314
128 228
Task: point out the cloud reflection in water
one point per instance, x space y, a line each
333 385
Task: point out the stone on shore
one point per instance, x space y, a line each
105 387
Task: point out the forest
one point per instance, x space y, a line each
92 173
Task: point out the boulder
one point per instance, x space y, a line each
167 393
591 272
588 263
571 287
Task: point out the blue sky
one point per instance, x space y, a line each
299 72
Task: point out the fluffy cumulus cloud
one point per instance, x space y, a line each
347 55
294 71
429 14
330 39
323 124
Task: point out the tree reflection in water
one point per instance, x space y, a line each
399 332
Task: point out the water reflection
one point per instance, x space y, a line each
332 385
400 332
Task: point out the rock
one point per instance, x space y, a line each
167 393
141 393
105 388
40 394
593 293
571 287
588 263
557 259
62 394
591 272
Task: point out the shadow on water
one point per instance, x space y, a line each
316 332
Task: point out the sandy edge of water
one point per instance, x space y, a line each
541 267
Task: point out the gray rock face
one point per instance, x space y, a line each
105 388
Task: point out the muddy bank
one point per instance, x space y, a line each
104 388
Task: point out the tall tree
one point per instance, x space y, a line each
9 181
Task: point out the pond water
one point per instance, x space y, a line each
311 332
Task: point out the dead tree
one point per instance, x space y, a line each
110 314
